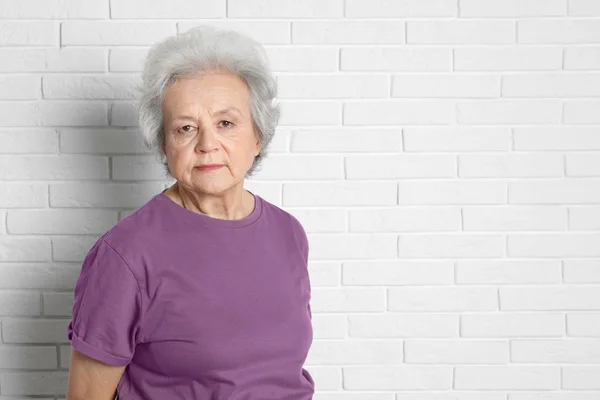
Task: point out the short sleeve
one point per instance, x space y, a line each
107 309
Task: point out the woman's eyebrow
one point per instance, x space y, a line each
226 110
216 113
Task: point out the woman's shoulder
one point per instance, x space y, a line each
137 229
286 221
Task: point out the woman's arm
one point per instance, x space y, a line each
90 379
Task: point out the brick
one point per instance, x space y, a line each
553 245
304 59
20 87
352 246
511 166
97 87
52 113
451 192
460 32
393 377
508 58
582 58
58 304
15 303
470 395
348 300
53 9
500 272
442 298
65 356
445 86
462 351
381 273
399 112
137 168
405 219
330 326
561 191
583 324
561 351
550 298
400 166
513 8
401 9
127 59
310 113
28 33
28 141
106 195
132 9
387 58
347 32
34 383
20 357
339 193
21 195
305 167
38 276
115 33
342 140
581 112
336 352
24 249
558 31
52 167
556 138
584 8
102 141
60 222
450 245
326 86
514 218
580 378
503 112
512 325
456 139
285 9
124 114
581 271
396 325
52 60
551 85
582 165
510 377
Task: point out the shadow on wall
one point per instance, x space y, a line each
92 171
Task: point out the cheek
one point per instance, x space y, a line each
178 155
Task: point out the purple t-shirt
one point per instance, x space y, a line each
199 307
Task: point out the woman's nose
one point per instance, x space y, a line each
206 141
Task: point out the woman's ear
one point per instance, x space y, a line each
258 148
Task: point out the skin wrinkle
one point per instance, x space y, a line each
199 129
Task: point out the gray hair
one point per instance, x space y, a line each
190 54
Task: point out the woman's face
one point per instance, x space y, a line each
206 120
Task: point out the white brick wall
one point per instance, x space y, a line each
443 156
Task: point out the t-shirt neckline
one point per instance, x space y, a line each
211 221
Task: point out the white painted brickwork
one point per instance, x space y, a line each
443 156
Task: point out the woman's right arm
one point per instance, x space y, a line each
90 379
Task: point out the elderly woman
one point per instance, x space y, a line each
202 292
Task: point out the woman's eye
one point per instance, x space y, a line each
227 122
185 128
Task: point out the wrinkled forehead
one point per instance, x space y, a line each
208 93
